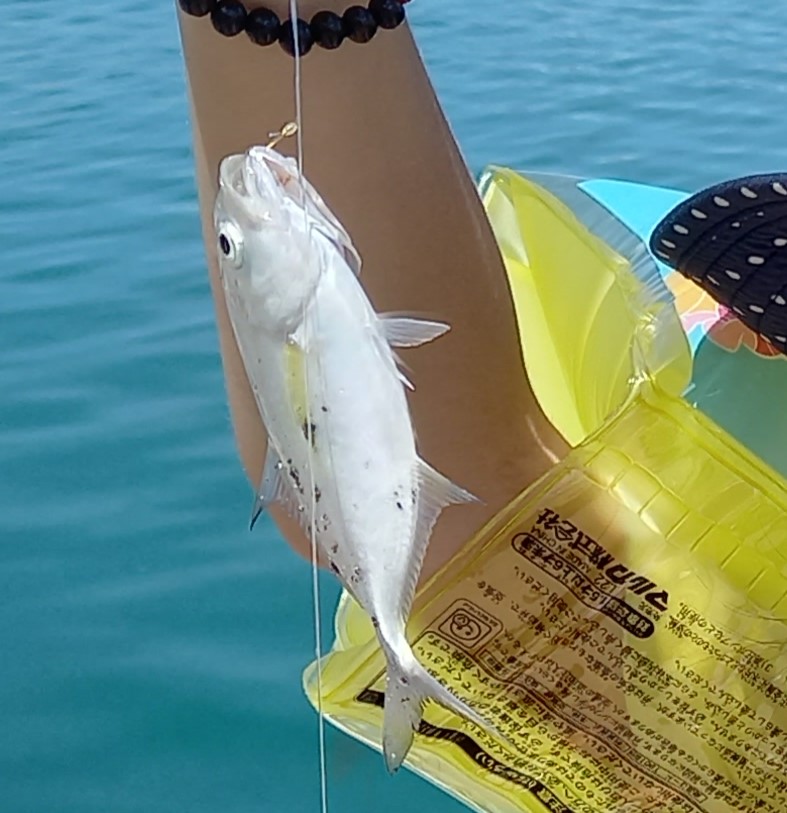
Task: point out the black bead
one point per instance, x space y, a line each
359 23
387 13
197 8
229 17
287 37
328 29
262 26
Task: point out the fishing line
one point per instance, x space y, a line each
316 599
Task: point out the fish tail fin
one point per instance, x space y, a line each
409 686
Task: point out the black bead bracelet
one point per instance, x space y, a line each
326 29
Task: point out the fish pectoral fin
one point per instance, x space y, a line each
272 488
406 331
388 354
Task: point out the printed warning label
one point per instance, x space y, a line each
619 694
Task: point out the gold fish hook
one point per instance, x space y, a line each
287 131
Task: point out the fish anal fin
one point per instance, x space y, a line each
271 487
407 331
275 488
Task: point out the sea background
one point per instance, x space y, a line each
150 648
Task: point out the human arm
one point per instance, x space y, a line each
379 150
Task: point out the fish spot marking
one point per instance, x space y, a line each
398 497
295 477
309 429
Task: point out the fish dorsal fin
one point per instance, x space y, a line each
406 331
402 377
435 492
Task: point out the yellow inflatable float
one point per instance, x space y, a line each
623 622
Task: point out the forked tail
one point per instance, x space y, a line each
409 686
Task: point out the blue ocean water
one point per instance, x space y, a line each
151 648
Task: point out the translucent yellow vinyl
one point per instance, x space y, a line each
589 326
623 623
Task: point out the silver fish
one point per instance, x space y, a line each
341 456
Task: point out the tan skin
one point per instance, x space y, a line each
378 149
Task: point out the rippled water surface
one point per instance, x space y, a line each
152 649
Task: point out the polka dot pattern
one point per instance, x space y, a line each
731 239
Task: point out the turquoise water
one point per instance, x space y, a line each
151 648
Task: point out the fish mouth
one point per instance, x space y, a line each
233 174
271 163
255 175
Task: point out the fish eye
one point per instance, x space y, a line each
231 243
